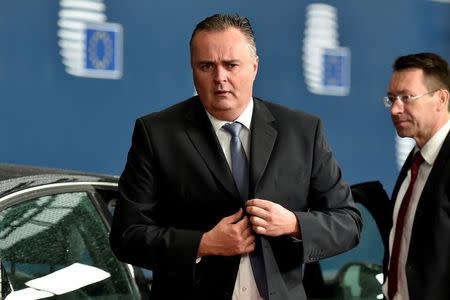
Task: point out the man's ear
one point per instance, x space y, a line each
255 66
444 98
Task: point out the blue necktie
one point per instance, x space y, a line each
239 162
240 170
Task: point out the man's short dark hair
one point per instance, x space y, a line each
435 68
220 22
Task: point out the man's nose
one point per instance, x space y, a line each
397 107
220 74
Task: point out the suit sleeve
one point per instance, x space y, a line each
332 224
139 235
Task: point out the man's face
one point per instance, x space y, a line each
224 70
420 118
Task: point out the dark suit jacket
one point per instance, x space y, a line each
428 262
177 185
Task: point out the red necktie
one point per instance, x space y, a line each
393 262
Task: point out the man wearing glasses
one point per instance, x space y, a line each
419 242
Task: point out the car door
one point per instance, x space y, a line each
358 273
55 240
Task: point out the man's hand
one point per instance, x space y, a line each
231 236
271 219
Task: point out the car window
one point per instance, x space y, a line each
61 232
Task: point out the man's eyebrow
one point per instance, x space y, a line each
205 61
400 92
230 61
225 61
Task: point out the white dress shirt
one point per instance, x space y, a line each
429 152
245 286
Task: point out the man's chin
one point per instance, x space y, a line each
403 133
224 99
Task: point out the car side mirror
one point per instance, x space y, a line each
360 281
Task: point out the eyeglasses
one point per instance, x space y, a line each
389 100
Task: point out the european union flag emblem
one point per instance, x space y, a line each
103 50
336 71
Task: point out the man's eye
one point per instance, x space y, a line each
392 98
231 66
206 67
406 98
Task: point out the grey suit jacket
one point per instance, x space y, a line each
428 262
176 185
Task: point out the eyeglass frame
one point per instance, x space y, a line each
404 98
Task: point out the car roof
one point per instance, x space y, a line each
15 177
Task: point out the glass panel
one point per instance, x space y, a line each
49 233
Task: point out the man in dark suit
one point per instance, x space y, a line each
183 211
419 260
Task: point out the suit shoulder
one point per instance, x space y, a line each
171 113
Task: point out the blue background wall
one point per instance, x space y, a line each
51 118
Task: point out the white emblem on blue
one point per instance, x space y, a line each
326 65
90 47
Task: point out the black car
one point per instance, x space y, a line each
54 225
54 228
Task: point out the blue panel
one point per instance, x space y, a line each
52 118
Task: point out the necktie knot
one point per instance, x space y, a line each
233 128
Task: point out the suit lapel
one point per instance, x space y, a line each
435 174
429 200
402 174
204 139
263 137
438 166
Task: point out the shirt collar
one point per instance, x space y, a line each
245 118
431 149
